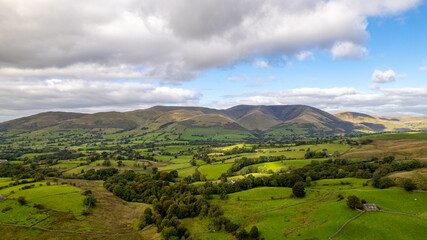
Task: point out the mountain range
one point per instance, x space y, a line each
243 122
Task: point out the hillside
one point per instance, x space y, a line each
373 123
161 123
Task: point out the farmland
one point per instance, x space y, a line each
251 183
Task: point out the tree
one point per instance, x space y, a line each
90 201
409 185
254 232
354 202
376 180
298 189
106 163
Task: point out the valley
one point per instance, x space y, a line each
65 178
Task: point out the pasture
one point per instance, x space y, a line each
214 171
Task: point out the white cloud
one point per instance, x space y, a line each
411 101
19 97
305 55
238 78
423 68
261 64
348 50
383 77
270 78
176 41
254 84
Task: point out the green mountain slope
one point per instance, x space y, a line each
163 123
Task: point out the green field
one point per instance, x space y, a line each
406 135
61 198
214 171
372 223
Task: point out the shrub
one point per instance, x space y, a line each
85 212
298 189
254 232
231 227
386 182
6 209
354 202
22 200
409 185
38 206
242 234
87 192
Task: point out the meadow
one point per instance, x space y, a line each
274 210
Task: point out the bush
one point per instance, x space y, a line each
85 212
22 200
6 209
254 232
242 234
87 192
38 206
354 202
409 185
386 182
298 189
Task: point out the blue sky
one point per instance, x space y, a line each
396 42
367 56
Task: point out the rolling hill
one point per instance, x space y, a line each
239 123
373 123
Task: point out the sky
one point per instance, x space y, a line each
366 56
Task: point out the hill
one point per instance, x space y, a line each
161 123
373 123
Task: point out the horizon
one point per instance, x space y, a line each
368 57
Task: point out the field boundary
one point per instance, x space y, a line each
406 214
345 224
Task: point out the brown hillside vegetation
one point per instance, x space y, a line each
419 177
383 123
400 148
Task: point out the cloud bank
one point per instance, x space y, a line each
19 98
174 41
388 101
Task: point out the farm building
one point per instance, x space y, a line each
370 207
3 161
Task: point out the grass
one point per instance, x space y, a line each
23 215
285 164
262 194
406 135
371 225
393 199
319 219
186 171
61 198
214 171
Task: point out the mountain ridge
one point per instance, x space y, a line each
243 121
